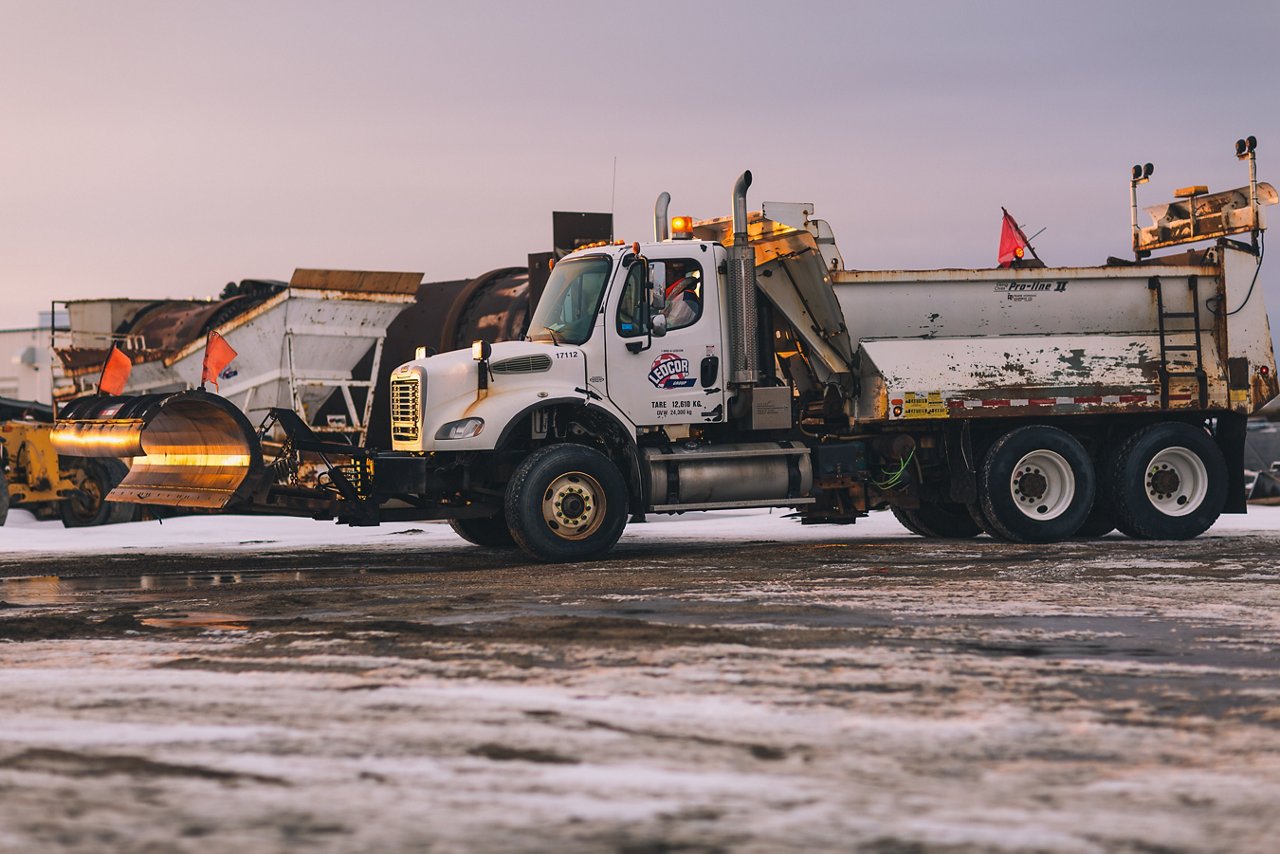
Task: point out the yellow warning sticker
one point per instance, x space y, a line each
930 405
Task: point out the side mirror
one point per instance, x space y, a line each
640 289
658 297
657 302
640 293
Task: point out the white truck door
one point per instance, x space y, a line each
677 378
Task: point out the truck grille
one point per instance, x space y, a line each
406 413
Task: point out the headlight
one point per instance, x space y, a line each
464 429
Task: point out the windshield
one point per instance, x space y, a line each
567 310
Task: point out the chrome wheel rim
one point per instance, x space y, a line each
1176 481
574 506
1042 485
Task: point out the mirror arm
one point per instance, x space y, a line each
640 346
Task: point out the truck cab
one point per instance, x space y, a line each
636 334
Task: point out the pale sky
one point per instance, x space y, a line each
161 149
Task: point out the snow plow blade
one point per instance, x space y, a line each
189 449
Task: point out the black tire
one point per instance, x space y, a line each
4 498
939 521
491 532
579 485
984 524
1036 485
906 520
1168 482
1102 518
89 507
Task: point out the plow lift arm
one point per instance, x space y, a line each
351 483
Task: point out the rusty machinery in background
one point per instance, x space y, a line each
161 336
442 316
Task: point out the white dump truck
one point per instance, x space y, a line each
736 363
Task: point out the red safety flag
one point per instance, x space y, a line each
217 355
115 372
1012 242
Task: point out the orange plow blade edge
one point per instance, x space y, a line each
189 449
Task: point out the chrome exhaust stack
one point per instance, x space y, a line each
190 449
661 222
744 349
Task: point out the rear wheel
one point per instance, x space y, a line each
940 521
89 506
1036 485
566 503
488 531
4 498
1168 482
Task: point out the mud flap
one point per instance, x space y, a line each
189 449
1230 436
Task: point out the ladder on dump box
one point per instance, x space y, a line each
1202 379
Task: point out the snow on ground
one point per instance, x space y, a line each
793 688
24 534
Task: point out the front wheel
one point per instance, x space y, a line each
566 503
4 496
1168 482
1036 485
488 531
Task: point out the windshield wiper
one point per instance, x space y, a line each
554 339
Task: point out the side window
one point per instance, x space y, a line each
681 279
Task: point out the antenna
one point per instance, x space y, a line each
613 195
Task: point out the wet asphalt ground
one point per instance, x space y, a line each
875 694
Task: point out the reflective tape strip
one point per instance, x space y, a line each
1082 400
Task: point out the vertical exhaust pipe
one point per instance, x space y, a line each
744 366
661 222
740 188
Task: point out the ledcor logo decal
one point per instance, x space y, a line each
670 371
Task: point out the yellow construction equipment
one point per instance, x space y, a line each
37 480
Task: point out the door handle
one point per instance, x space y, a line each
709 371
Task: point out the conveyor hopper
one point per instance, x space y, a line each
189 449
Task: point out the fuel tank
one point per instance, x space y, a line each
720 477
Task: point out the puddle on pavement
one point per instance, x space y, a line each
55 590
202 620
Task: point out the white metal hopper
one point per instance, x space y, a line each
296 348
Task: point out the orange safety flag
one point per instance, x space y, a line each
217 355
115 372
1013 243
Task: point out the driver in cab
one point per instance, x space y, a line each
682 305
